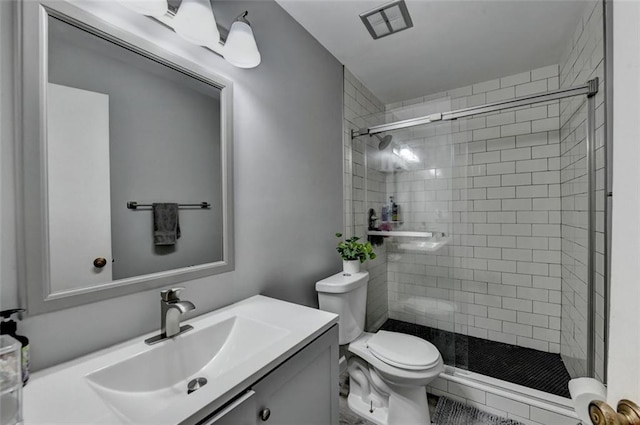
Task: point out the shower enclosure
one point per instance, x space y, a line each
489 220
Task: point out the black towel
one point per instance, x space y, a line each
166 225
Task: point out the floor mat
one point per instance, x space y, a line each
450 412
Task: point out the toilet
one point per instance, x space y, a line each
388 371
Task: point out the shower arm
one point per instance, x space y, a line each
590 89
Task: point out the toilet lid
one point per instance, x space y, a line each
403 351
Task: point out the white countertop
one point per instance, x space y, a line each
63 395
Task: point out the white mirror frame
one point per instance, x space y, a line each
33 235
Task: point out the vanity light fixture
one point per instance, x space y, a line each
194 21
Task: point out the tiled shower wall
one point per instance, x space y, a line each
362 108
583 60
498 194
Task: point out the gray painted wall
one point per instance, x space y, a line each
288 184
164 145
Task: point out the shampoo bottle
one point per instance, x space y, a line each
9 327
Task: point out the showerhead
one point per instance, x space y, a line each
384 141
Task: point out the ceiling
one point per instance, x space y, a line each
452 43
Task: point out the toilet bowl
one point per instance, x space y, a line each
388 371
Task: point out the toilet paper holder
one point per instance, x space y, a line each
602 413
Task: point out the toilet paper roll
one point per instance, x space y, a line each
583 391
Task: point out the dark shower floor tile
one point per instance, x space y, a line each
519 365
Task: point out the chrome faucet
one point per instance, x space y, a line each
171 307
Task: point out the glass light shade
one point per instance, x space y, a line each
155 8
241 49
195 22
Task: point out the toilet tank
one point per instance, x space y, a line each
346 295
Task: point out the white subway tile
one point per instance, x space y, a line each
486 86
516 179
486 157
533 139
515 154
533 113
534 242
517 329
531 165
508 405
501 314
545 151
531 88
488 300
516 204
486 252
503 118
544 334
502 168
544 72
546 177
502 241
487 205
501 143
500 217
547 204
516 254
502 266
501 94
546 124
487 133
517 304
541 269
547 308
538 320
486 229
487 181
513 80
545 282
532 217
516 280
516 229
515 129
535 344
546 257
501 192
546 417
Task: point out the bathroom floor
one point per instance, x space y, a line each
523 366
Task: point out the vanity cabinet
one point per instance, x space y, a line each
303 390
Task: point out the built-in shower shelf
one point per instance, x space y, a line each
400 233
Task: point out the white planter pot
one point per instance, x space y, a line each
351 266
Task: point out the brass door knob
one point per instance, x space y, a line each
99 262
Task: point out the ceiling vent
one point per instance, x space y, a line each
387 19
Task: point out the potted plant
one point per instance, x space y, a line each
353 253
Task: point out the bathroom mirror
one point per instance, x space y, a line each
127 155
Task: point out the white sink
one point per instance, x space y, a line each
161 374
135 383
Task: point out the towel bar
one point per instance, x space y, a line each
133 205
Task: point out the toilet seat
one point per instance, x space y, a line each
403 351
395 374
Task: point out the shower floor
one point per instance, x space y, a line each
519 365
